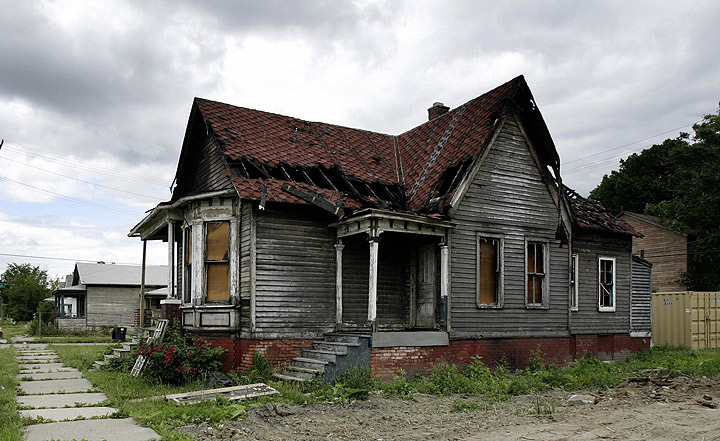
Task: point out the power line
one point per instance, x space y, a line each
61 258
68 198
79 180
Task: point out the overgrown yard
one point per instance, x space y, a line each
667 393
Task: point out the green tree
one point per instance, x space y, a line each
25 287
678 181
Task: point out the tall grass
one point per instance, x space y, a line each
11 427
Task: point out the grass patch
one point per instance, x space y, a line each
12 330
11 427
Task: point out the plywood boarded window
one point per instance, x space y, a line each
606 282
489 271
536 274
217 263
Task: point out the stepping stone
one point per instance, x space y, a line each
60 400
60 375
68 413
43 367
37 358
55 386
91 430
36 352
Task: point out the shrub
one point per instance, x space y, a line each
177 362
260 371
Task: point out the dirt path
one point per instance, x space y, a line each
681 409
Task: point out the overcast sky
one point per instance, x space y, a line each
95 95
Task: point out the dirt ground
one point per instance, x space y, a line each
678 409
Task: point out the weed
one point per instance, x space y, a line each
461 405
260 371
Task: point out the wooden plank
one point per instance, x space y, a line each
231 393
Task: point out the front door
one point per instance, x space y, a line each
426 286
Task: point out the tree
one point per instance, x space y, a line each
678 181
25 287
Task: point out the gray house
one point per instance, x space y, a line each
98 295
309 241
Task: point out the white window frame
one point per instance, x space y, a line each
500 269
545 300
611 308
574 283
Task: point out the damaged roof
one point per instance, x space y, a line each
270 157
591 215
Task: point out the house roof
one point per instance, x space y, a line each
126 275
271 157
591 215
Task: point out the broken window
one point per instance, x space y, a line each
187 264
536 291
217 263
574 283
489 271
606 284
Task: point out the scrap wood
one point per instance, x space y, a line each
231 393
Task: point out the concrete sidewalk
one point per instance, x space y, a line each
57 395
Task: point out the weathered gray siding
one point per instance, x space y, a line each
295 282
246 241
508 197
210 172
113 305
587 319
640 309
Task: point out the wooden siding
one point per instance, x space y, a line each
356 271
509 198
640 308
295 272
210 173
587 319
245 264
113 305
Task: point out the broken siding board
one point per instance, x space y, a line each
509 198
587 319
231 393
295 271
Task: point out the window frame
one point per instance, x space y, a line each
611 308
499 270
207 263
545 296
574 302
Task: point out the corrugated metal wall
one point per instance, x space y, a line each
686 319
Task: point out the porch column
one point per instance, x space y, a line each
338 284
372 288
171 259
444 270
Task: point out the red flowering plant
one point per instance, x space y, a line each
179 360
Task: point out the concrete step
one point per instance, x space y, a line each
321 355
337 347
310 363
346 338
121 353
289 378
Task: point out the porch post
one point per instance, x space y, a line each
338 284
171 259
444 270
372 291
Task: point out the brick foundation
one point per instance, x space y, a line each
277 352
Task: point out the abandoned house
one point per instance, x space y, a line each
320 245
97 295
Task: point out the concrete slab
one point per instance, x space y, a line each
60 400
68 413
43 367
50 375
37 358
91 430
55 386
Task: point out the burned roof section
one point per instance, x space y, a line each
591 215
271 157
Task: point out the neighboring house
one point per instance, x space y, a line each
667 250
453 239
97 295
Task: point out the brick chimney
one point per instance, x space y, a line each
436 110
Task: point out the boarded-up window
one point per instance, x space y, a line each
535 274
217 250
606 282
489 271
